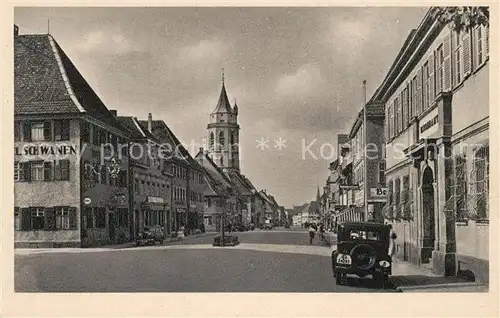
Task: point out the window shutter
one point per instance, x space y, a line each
57 170
27 131
49 219
386 126
73 219
25 171
47 133
466 53
447 64
65 129
418 107
47 171
487 40
432 80
25 219
64 166
57 130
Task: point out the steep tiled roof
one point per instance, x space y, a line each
46 81
223 105
128 122
239 183
165 136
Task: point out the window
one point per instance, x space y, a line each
17 219
458 58
61 130
405 108
479 45
17 130
221 139
37 171
37 131
461 186
381 172
439 70
37 218
61 170
62 218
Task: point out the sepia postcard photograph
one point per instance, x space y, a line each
243 150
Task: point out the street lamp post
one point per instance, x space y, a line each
365 168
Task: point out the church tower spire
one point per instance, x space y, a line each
223 132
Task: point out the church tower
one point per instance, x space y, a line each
224 133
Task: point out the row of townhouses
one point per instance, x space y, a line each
427 128
86 175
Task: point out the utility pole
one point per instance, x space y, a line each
365 143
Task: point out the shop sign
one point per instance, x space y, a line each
378 192
155 200
359 198
192 206
181 210
429 124
45 150
87 200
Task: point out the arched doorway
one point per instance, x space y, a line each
428 218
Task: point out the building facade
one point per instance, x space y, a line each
151 177
437 147
71 154
373 183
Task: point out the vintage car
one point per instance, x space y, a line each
362 249
150 235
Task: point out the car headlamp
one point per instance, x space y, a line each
384 264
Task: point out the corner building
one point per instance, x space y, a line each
67 192
437 148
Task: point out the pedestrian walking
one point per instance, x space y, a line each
322 234
312 232
392 241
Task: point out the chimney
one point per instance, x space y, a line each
201 149
113 112
150 123
16 30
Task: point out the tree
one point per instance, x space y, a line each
460 18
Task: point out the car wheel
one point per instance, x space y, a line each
340 279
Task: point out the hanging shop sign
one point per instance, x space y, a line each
155 200
87 200
378 192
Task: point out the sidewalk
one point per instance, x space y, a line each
28 251
407 277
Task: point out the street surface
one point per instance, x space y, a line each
266 261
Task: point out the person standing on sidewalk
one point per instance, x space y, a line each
312 231
392 241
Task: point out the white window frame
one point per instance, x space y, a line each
36 213
37 131
37 171
62 218
440 70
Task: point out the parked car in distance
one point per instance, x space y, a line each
150 235
362 249
267 226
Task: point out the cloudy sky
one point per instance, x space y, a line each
296 74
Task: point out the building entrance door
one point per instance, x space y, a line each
428 217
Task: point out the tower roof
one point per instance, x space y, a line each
223 105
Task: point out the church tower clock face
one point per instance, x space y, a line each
223 133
